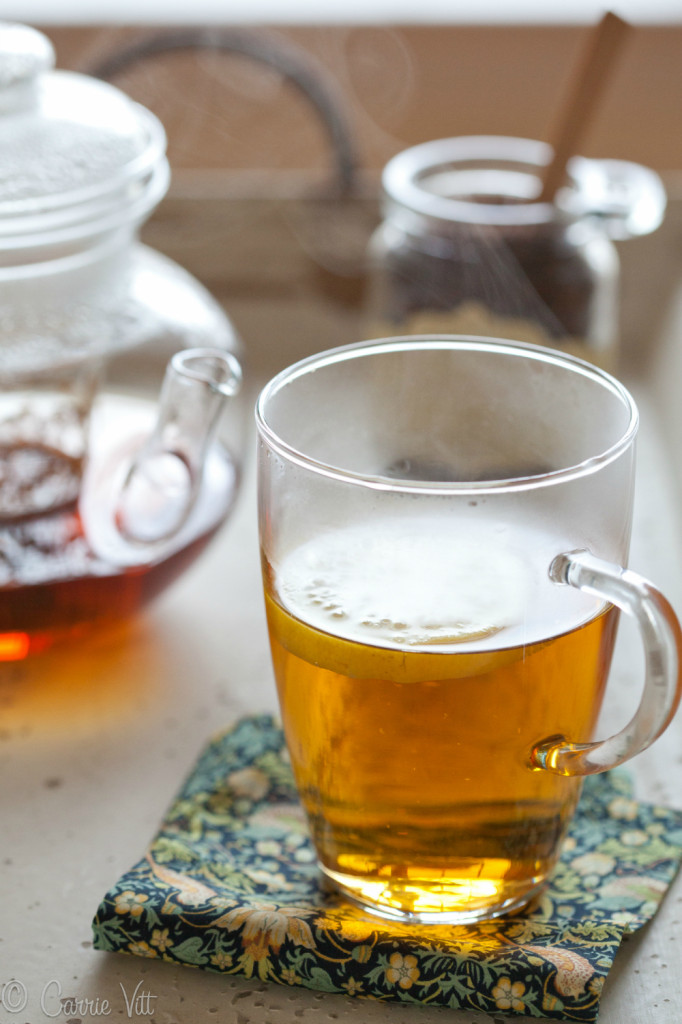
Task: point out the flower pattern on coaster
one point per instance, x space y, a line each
230 884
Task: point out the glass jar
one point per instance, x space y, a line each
89 320
466 248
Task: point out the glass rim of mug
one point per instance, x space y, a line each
452 342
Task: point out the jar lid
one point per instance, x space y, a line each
78 154
494 181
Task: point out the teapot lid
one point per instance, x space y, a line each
77 152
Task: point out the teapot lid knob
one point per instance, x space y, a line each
25 54
79 157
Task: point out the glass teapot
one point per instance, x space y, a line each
105 493
466 247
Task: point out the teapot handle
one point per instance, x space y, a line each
163 480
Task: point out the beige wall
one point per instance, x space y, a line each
396 86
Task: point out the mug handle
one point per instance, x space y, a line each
662 640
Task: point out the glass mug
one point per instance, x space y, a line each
444 524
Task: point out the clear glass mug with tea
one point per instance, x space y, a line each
467 247
444 527
106 493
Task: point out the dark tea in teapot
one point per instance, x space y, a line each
60 572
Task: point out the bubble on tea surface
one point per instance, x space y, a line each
406 583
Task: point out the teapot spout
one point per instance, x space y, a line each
164 479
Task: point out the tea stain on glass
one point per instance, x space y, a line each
34 477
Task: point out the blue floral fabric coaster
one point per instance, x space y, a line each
230 884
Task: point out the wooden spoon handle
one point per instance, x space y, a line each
587 85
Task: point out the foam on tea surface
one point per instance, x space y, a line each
417 582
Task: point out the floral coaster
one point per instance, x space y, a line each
230 884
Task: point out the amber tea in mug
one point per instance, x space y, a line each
442 581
